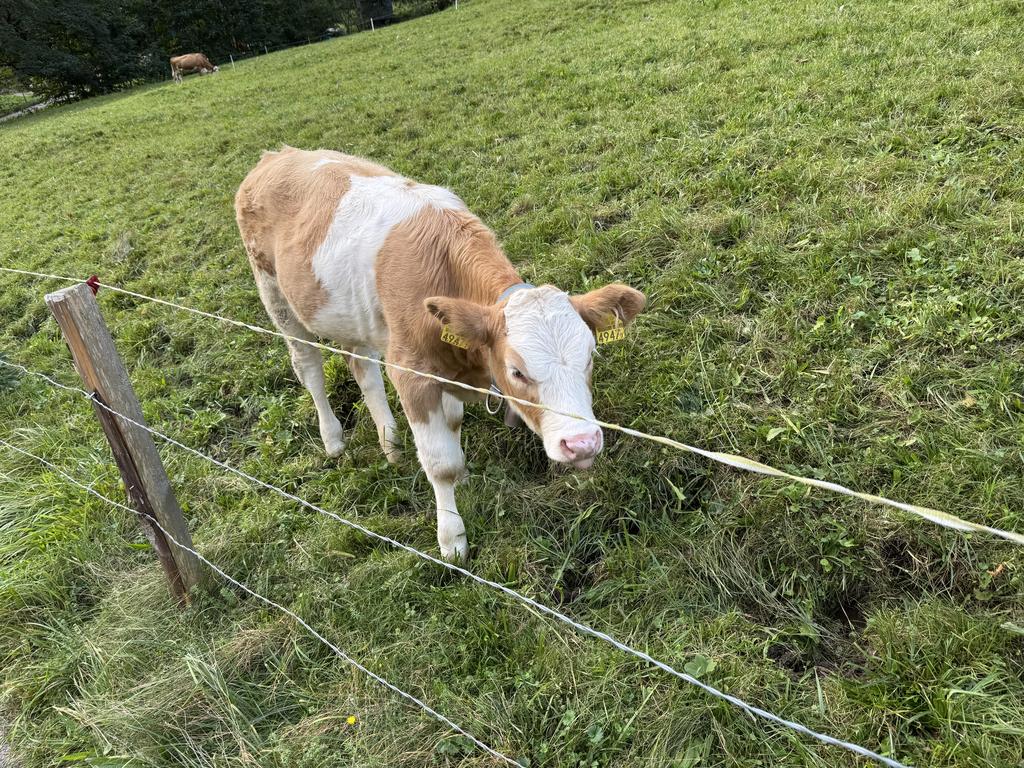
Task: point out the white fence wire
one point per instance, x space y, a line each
739 462
266 600
583 628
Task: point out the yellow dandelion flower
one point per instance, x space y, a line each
351 720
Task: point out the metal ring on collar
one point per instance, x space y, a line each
487 400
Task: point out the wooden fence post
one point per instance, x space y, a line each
105 377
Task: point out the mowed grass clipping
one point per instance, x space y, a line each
824 203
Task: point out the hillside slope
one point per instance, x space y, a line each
823 202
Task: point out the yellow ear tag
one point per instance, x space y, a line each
450 338
611 334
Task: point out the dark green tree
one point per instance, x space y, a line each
72 47
76 48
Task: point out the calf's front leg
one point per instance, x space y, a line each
436 421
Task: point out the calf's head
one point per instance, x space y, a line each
539 346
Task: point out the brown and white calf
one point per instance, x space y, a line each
345 249
188 63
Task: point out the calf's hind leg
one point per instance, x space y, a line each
371 383
307 361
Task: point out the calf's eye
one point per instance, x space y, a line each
518 375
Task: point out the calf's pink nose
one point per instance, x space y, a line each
582 446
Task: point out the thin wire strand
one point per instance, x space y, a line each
583 628
391 686
944 519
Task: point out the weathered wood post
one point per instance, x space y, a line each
104 375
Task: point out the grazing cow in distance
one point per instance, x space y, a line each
188 63
346 249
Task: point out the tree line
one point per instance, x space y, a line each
77 48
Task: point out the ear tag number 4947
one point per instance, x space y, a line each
614 332
455 340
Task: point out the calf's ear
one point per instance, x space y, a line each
475 323
600 308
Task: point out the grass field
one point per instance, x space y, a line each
825 205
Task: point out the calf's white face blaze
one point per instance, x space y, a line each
548 351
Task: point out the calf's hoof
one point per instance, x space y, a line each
455 549
334 440
392 451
